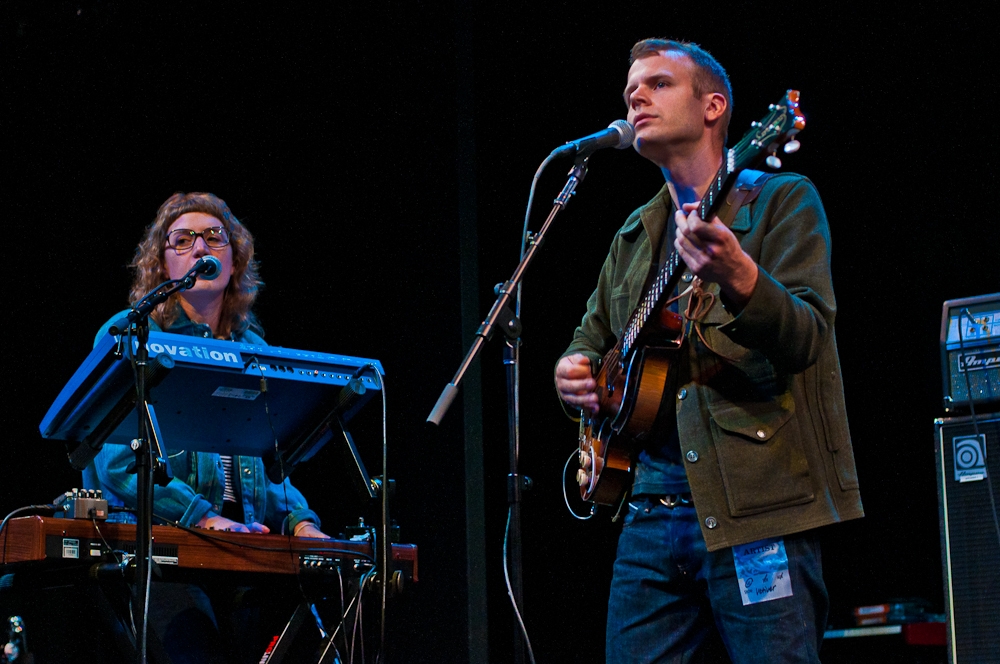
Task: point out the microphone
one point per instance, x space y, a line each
618 135
206 267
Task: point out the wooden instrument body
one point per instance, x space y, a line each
28 540
630 390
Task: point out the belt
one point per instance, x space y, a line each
675 499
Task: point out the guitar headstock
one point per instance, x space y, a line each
775 131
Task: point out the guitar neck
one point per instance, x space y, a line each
672 268
723 181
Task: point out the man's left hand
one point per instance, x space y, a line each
713 253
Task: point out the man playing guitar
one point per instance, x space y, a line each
750 450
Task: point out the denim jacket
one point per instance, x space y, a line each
199 478
760 410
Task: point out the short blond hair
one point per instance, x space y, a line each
709 75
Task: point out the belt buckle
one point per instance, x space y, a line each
673 500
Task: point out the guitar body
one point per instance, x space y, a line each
630 391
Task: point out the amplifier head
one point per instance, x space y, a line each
970 351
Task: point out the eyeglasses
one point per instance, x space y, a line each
182 240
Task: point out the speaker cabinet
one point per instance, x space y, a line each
968 468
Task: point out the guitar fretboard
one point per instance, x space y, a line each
667 277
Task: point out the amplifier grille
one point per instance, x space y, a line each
969 541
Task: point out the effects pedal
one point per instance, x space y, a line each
82 504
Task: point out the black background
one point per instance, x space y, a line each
340 134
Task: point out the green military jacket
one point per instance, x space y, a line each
760 411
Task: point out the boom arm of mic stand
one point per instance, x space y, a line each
504 296
151 300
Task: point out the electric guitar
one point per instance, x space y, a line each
633 374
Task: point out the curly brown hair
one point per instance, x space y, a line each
150 271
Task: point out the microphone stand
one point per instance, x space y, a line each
150 468
144 466
501 314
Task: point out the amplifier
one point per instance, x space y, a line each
970 351
968 468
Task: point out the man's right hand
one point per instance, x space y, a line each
575 382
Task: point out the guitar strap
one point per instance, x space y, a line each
745 191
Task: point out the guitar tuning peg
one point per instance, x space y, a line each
792 146
773 161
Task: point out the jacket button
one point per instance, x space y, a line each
687 278
710 522
761 434
682 393
691 456
246 470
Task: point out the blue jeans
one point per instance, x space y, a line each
670 595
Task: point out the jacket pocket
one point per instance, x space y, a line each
830 396
620 309
761 458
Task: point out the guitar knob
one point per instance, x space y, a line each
582 478
773 161
792 146
585 461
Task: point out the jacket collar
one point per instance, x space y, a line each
652 217
184 325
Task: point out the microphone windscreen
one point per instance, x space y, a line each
627 132
212 267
